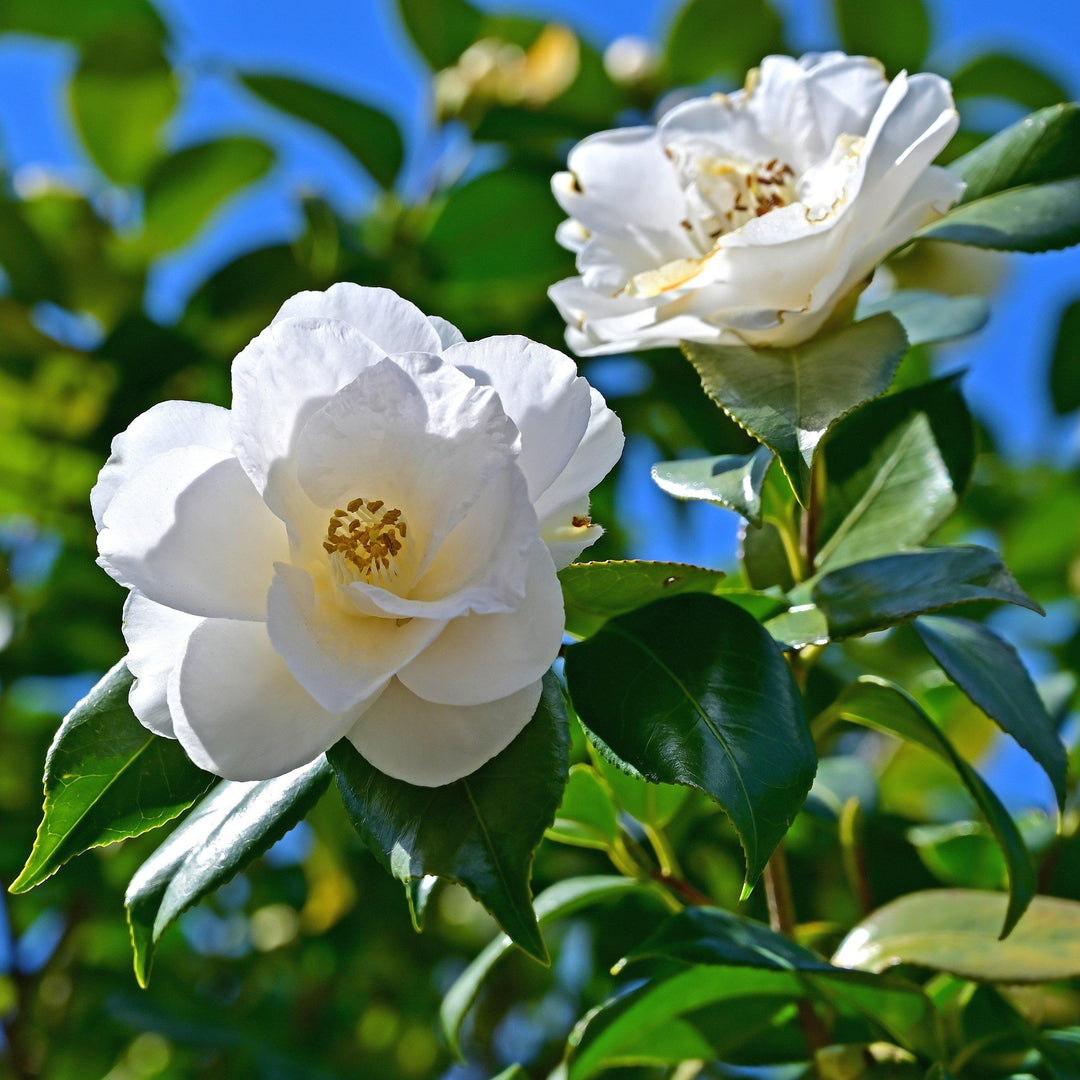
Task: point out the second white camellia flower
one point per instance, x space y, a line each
748 218
365 545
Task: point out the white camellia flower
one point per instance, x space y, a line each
365 545
748 218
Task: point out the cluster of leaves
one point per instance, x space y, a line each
686 690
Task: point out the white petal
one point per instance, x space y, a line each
395 325
166 426
189 531
540 391
448 333
566 540
340 658
429 745
156 637
595 456
283 376
479 658
237 710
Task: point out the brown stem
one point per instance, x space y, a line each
782 920
682 888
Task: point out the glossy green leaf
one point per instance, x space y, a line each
929 317
107 778
790 398
999 75
881 592
725 37
902 494
514 1072
418 892
955 930
732 480
481 830
1045 217
1041 148
121 95
184 190
596 592
368 134
1065 365
801 625
766 560
896 33
586 815
557 902
441 29
991 673
652 804
875 703
692 690
229 828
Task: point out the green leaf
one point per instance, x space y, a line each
929 317
955 930
81 23
854 441
481 830
999 75
652 804
1039 149
183 190
726 37
595 592
708 1010
229 828
790 398
875 703
732 480
560 900
1045 217
121 94
896 33
586 815
107 778
902 494
692 690
514 1072
1065 366
992 674
801 625
368 134
881 592
418 892
765 558
441 29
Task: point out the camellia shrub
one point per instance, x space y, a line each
377 593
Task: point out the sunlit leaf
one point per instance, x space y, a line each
586 815
929 317
999 75
732 480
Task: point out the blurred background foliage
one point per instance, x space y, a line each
307 965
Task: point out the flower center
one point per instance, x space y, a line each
725 193
363 542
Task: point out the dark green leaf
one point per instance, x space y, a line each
441 29
801 625
586 815
562 899
418 892
881 592
955 930
481 830
369 135
765 557
184 189
122 93
1045 217
107 778
732 480
692 690
928 317
896 33
839 779
81 23
1065 366
1041 148
233 825
725 37
992 674
999 75
595 592
875 703
789 398
895 501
